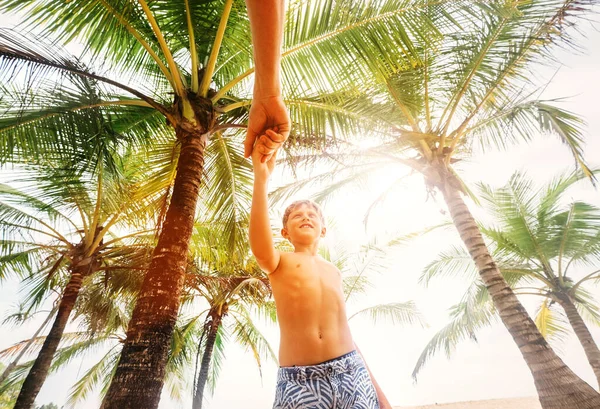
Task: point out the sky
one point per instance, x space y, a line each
490 368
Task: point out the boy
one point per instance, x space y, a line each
321 367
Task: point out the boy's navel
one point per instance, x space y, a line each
297 265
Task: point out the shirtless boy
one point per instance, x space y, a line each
321 367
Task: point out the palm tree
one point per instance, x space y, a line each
220 239
231 291
222 277
104 308
57 234
186 67
328 51
469 88
537 241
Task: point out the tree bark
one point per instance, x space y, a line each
39 371
140 373
206 359
557 386
583 333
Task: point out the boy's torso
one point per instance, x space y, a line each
310 309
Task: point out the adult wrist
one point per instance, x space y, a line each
265 89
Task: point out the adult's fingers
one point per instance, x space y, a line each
284 127
249 142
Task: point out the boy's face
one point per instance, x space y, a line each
304 225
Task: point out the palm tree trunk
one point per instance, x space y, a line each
39 371
140 373
557 386
15 361
583 333
206 358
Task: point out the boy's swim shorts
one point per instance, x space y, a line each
341 383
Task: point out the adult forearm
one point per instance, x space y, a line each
383 401
266 22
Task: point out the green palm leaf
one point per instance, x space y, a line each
92 378
405 313
250 337
536 240
453 262
471 314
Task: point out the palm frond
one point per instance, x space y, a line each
587 306
228 191
18 52
66 354
408 238
249 336
356 270
552 192
521 34
355 285
19 263
77 121
568 127
218 358
453 262
91 380
551 322
405 313
467 317
267 310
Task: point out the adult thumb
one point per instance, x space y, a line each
249 142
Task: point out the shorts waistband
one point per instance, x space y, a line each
344 363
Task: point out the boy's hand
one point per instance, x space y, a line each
267 112
268 143
264 154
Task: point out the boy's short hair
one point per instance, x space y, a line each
295 204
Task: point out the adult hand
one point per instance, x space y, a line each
267 113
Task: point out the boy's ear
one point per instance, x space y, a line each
323 231
284 233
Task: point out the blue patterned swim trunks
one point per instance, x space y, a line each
341 383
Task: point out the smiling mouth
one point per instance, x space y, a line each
305 225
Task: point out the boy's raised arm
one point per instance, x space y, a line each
261 236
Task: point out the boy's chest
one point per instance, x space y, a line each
304 273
